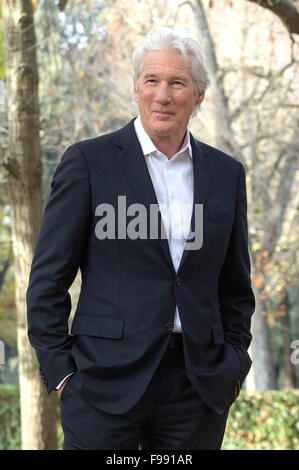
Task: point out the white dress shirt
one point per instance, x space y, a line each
173 183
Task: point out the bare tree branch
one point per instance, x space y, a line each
226 140
62 4
285 10
276 216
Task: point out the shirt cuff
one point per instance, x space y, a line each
60 383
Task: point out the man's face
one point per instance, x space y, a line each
165 96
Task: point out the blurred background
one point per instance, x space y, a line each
65 75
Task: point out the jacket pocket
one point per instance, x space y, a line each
102 327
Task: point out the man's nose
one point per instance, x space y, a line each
163 95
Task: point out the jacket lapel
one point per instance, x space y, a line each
132 162
202 177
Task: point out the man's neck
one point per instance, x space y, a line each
169 145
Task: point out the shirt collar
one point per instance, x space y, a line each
147 145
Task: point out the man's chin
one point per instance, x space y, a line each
161 131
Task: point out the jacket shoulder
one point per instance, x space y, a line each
217 157
102 144
94 144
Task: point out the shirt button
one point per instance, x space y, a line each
178 281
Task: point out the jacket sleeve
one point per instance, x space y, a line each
235 294
60 247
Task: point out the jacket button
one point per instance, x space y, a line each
169 326
178 281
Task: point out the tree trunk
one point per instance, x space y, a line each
249 383
263 368
225 139
23 166
287 370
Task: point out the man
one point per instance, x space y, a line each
158 344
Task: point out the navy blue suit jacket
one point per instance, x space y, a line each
126 308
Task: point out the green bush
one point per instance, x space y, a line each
10 435
257 421
264 421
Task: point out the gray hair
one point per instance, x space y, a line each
164 38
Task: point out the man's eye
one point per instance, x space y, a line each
151 80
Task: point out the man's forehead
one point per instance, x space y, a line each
154 61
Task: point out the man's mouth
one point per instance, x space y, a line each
162 113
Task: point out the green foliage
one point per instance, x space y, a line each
257 421
264 421
9 417
8 321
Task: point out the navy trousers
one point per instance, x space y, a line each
170 415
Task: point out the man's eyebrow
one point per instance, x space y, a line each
174 77
149 75
183 78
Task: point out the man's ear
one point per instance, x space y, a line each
135 89
200 97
